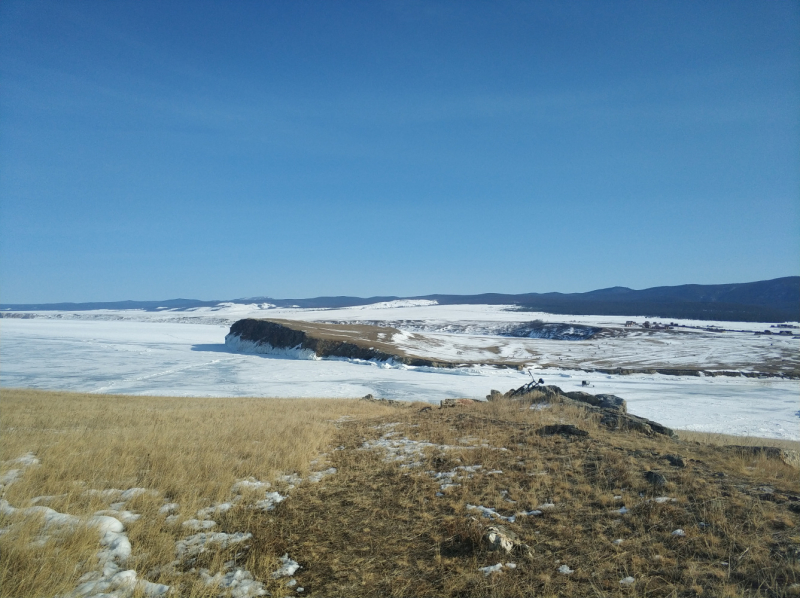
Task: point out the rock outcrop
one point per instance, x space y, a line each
316 340
613 410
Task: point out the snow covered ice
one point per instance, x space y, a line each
184 353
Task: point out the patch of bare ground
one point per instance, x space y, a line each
415 492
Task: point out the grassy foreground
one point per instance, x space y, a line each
399 516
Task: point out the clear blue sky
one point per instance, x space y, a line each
213 150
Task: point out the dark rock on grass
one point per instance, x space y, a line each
626 421
563 429
655 478
675 460
611 409
604 401
494 395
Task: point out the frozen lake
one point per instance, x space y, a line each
153 354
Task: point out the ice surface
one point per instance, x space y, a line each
184 354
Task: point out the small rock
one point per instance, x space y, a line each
679 533
500 537
565 570
494 395
675 460
627 581
655 478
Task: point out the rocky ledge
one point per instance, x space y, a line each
313 340
613 410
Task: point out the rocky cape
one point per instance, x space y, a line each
314 340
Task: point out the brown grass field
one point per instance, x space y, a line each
382 524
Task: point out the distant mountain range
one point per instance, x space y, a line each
776 300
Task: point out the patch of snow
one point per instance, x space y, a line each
496 568
25 460
249 484
239 581
9 477
287 569
292 479
447 479
113 582
318 475
123 516
271 499
194 545
132 493
169 508
215 510
490 513
197 524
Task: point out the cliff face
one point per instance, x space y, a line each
328 340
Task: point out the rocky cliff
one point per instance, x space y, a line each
314 340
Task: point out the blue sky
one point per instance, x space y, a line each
214 150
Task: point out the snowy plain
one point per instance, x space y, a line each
183 353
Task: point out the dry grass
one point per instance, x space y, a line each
188 450
714 439
377 526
